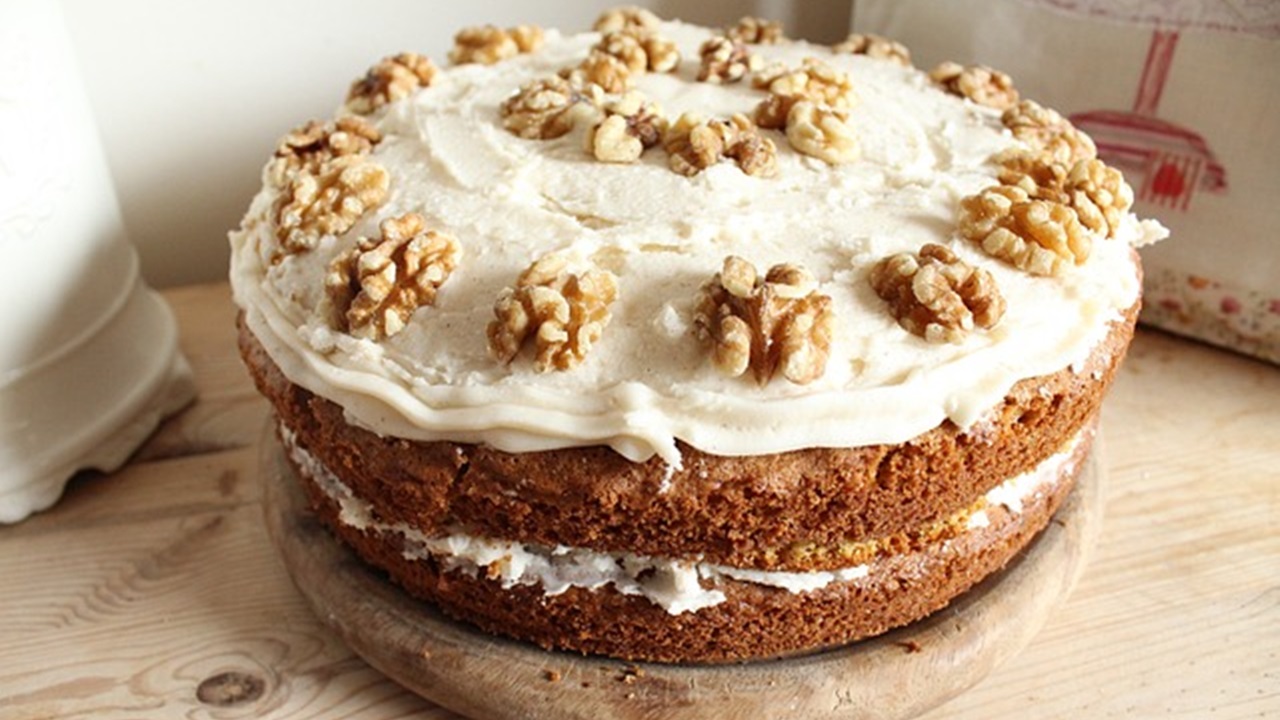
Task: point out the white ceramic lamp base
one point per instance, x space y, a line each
89 359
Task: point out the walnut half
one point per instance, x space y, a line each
753 30
725 61
640 52
306 149
1041 177
875 46
488 44
1094 190
771 324
630 126
376 286
1099 195
694 144
548 108
662 54
819 131
602 69
329 201
814 81
565 312
626 47
979 83
1041 237
628 18
935 295
1048 133
392 79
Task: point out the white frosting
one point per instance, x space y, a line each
1012 492
648 382
674 584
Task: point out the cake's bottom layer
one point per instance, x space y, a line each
752 621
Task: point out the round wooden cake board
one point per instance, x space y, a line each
897 675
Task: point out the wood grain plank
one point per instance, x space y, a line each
229 411
1178 614
128 614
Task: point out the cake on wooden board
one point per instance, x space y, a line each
685 344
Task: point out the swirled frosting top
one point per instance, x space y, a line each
648 383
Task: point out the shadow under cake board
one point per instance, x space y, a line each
890 677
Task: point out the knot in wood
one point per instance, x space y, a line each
230 688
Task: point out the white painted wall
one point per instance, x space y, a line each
190 97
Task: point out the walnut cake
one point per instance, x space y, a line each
685 344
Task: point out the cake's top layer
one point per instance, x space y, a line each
647 382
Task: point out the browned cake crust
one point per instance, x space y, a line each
754 622
802 510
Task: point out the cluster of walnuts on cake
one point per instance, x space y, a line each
1050 201
810 104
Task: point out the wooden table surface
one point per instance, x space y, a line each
154 592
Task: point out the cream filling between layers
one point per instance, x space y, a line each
674 584
648 383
